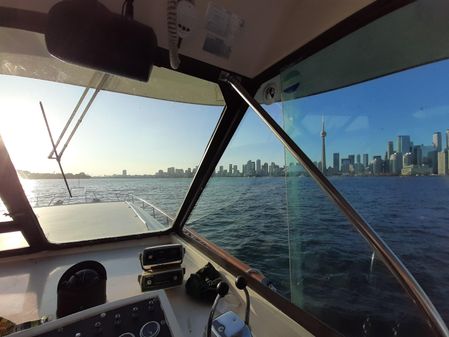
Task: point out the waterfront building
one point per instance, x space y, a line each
386 164
377 165
345 165
403 144
357 159
436 141
336 163
220 172
323 148
230 169
417 155
407 159
365 160
124 173
171 171
447 139
258 166
396 163
265 169
443 165
390 149
351 158
235 171
416 170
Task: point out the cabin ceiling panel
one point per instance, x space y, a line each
24 54
271 30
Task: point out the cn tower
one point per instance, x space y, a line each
323 150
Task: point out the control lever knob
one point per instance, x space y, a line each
240 283
222 291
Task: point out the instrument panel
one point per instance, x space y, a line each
146 315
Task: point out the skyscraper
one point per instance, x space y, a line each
390 149
351 158
365 160
437 142
407 159
323 150
377 166
358 159
417 155
258 166
403 144
447 139
230 170
336 162
443 168
396 163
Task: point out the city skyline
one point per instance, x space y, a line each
144 134
407 159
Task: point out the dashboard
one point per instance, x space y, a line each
146 315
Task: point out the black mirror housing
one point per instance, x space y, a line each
86 33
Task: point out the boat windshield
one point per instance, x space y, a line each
384 144
129 163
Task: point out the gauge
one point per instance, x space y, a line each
150 329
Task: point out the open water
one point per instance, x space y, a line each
290 231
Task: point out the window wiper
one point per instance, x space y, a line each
58 158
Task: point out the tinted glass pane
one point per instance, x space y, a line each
129 163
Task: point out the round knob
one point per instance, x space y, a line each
222 289
240 282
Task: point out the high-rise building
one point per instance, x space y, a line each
124 173
436 141
447 139
336 163
417 155
396 163
377 165
258 166
407 159
443 165
358 159
365 160
171 171
265 169
235 170
220 172
403 144
390 149
345 164
323 149
230 169
386 164
351 158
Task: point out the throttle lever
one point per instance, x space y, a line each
222 291
240 283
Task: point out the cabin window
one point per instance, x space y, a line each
128 165
287 228
384 144
12 240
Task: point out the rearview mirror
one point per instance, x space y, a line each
86 33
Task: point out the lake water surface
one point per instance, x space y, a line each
290 231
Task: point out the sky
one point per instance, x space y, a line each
144 135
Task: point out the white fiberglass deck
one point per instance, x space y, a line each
78 222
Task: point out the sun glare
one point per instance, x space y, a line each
23 131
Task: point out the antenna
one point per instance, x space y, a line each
57 157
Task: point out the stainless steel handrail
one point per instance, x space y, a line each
394 264
154 207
